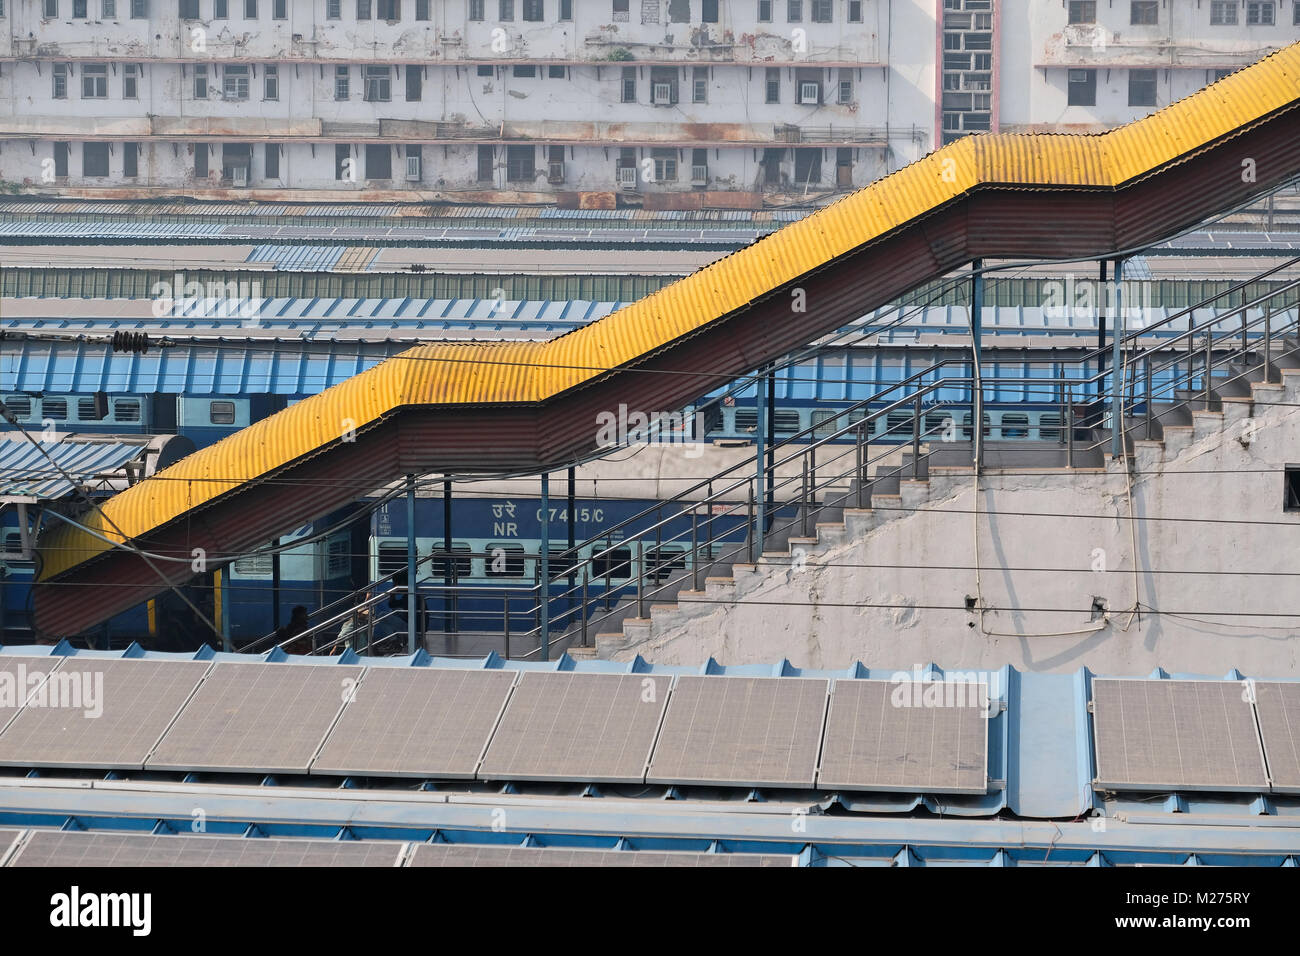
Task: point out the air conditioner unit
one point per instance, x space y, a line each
627 177
699 175
809 93
239 176
556 173
413 168
663 94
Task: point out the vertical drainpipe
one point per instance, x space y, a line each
410 564
976 331
544 579
760 438
1116 384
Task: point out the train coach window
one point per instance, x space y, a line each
251 564
19 405
1015 425
938 424
55 409
898 424
460 562
746 419
787 420
86 410
126 410
612 564
392 558
13 542
967 431
337 558
1049 427
664 561
505 561
825 423
221 413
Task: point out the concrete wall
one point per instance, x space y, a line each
1213 549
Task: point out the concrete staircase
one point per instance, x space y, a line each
899 490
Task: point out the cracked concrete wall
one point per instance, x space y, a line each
1213 548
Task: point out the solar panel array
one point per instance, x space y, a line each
1190 735
448 854
929 736
575 726
103 713
73 848
417 721
741 731
17 678
257 717
1278 707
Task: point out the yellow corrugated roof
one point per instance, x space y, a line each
509 372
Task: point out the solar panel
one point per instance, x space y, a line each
911 735
460 854
1278 707
417 721
100 713
1186 735
78 848
256 717
7 838
570 726
741 731
19 676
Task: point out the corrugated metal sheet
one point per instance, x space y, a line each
514 373
26 470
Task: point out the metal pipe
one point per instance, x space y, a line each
1116 365
1268 338
860 468
410 564
505 618
760 439
750 521
640 580
916 437
1069 426
1150 398
976 332
695 554
803 501
584 606
544 561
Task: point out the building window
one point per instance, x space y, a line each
272 161
201 81
846 87
1083 11
341 83
526 71
1295 13
486 161
189 9
663 85
250 9
709 11
505 10
50 9
629 84
200 160
1144 12
378 84
220 9
414 83
700 84
772 159
60 76
1259 13
484 69
389 10
699 167
555 72
139 9
566 10
94 82
234 82
855 11
333 9
1223 13
1290 484
808 83
379 161
520 164
130 81
421 9
476 10
108 9
1082 88
773 85
270 82
794 11
363 9
1141 87
533 10
343 163
79 8
279 10
821 11
61 160
236 163
414 163
94 160
621 12
764 11
665 161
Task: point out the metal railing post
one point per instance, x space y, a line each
860 467
1209 344
1268 336
750 524
640 580
1069 424
1150 398
584 607
505 618
803 501
695 549
916 437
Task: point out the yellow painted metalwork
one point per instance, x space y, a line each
513 372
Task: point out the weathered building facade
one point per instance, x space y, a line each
666 103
